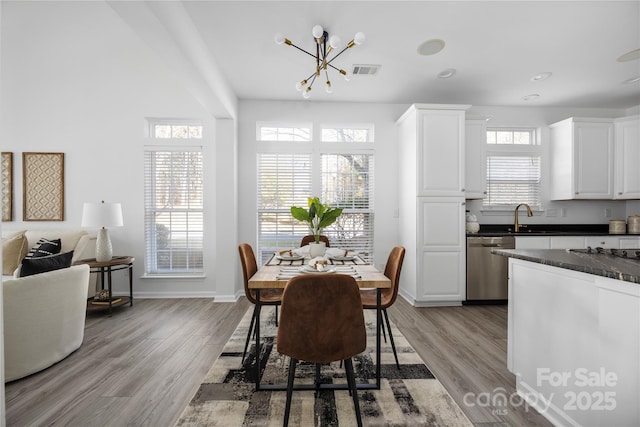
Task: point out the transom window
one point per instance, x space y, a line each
513 168
283 132
356 133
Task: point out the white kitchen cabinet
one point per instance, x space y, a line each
476 168
627 158
533 242
550 242
629 242
606 242
568 242
578 242
433 136
581 156
576 326
432 204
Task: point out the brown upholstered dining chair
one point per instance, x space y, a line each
392 271
310 239
267 296
322 321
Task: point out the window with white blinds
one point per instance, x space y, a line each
347 183
174 209
340 179
512 180
284 180
513 169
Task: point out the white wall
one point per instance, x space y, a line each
386 170
77 80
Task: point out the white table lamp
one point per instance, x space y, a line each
102 215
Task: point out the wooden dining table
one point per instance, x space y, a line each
267 277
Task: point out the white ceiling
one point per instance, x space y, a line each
495 46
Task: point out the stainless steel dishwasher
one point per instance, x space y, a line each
487 274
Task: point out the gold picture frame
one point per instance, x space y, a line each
42 186
6 171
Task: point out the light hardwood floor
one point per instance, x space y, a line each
141 366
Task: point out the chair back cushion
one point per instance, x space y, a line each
310 239
392 271
321 319
249 268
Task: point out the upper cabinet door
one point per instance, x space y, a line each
593 160
582 159
441 147
476 168
627 158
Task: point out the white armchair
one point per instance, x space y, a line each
44 317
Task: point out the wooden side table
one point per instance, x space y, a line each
102 267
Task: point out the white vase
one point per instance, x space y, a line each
317 249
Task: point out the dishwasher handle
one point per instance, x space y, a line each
493 245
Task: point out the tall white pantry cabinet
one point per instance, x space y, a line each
432 203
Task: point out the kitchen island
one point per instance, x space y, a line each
574 335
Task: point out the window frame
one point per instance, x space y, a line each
534 149
316 149
154 144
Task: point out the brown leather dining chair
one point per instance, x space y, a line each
322 321
310 239
267 296
392 271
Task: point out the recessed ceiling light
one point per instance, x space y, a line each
629 56
431 47
540 77
631 80
531 97
449 72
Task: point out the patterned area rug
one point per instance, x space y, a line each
411 396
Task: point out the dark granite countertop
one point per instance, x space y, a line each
599 264
545 230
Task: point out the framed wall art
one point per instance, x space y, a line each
42 186
6 172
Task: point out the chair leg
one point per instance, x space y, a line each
393 344
253 320
276 316
384 333
351 381
292 374
317 376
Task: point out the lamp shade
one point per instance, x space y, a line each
101 214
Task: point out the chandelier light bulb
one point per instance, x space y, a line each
334 42
307 93
279 38
328 87
317 31
347 77
359 38
301 85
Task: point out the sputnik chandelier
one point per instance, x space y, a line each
323 62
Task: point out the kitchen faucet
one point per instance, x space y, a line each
516 225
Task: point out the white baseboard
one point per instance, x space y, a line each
167 295
416 303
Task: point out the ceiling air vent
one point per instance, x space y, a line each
365 69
